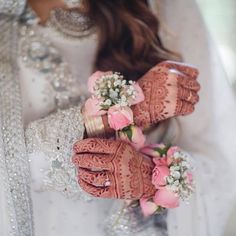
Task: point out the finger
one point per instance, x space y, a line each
188 70
189 83
103 192
185 108
98 178
187 95
96 145
95 162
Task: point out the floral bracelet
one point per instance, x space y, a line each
113 96
172 177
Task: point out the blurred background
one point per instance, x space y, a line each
220 18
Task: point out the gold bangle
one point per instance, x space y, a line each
94 126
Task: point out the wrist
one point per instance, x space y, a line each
97 126
147 170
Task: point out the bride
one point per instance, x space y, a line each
48 51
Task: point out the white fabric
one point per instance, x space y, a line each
53 213
208 134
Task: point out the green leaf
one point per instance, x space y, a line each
105 107
129 134
126 128
159 210
161 151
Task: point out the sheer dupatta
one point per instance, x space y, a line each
208 133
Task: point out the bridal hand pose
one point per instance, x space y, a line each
58 47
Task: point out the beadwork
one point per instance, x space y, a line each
14 165
71 23
37 52
54 136
73 3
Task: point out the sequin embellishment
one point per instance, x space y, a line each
54 136
38 53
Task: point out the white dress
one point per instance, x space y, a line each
61 208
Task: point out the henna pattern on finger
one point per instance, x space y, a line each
96 178
130 174
162 88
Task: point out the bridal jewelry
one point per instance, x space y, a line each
71 23
73 3
94 126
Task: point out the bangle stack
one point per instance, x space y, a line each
94 126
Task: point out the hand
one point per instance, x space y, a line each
113 169
170 89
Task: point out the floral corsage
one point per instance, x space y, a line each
172 177
113 95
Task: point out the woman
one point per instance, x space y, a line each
49 59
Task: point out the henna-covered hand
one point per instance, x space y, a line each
170 89
113 169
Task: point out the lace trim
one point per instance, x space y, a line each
54 136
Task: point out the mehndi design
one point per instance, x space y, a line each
113 169
170 89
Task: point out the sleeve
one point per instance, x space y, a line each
12 7
49 145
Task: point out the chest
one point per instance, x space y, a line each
53 70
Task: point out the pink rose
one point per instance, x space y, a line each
160 161
152 150
166 198
137 137
159 176
92 107
120 117
148 208
172 150
139 96
94 77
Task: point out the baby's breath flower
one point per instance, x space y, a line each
123 98
117 82
176 174
115 89
113 94
123 82
108 102
170 179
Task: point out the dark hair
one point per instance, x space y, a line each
128 36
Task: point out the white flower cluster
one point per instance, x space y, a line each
180 178
113 89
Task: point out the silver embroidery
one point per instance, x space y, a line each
37 52
128 220
73 3
13 159
55 136
12 7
